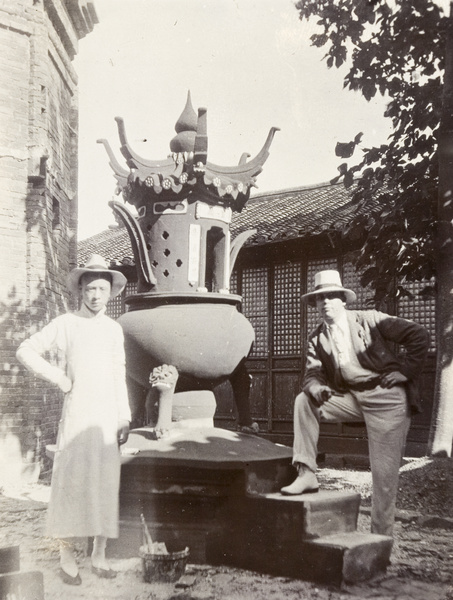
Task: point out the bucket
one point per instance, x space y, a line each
163 567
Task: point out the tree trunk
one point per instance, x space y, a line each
441 434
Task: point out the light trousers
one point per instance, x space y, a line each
387 419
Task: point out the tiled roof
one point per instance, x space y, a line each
277 216
112 244
294 213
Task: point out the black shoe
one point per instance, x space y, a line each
253 428
69 579
104 573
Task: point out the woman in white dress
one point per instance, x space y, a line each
84 498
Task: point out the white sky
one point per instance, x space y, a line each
248 61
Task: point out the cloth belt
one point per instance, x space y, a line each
363 386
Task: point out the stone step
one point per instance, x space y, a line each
346 557
279 534
311 515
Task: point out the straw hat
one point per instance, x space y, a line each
96 264
329 281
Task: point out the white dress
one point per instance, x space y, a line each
86 472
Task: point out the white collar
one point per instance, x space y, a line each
85 312
342 324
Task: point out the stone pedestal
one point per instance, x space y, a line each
193 410
17 584
217 492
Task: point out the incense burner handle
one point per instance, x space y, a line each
145 274
237 244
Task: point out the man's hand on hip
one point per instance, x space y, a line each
393 378
321 394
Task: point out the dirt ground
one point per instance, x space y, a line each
421 566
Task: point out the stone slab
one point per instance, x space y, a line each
28 585
9 559
346 557
185 483
208 447
226 484
217 492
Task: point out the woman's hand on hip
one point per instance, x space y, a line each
123 432
65 384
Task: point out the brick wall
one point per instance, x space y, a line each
38 208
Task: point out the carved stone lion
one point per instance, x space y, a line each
162 382
164 376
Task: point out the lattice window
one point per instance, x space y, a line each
131 288
421 309
234 286
287 309
255 293
314 266
115 306
351 280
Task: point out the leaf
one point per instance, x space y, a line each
368 276
369 89
428 291
318 40
340 56
344 150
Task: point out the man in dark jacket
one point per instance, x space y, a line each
354 373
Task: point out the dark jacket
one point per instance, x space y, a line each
373 334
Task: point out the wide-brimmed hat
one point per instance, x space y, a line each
329 281
96 264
